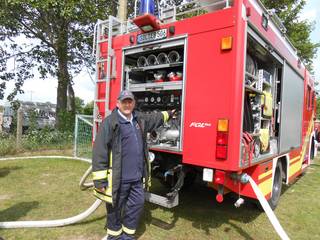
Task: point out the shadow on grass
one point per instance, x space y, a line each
315 165
6 170
198 205
17 211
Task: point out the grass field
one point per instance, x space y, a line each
48 189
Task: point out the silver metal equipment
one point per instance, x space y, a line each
142 61
162 58
174 56
152 60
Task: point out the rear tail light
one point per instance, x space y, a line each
222 139
221 152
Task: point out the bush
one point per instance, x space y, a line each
36 140
47 139
7 144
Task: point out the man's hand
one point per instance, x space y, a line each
172 113
102 190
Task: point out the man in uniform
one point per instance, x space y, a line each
121 166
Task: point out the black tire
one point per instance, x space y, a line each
276 187
312 149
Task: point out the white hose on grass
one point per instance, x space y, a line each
35 157
52 223
83 184
59 222
266 207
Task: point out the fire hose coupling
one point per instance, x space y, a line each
243 177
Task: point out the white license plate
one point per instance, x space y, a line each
152 36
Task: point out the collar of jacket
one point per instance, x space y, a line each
123 119
114 118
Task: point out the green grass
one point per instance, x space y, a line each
48 189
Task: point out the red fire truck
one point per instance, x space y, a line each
244 100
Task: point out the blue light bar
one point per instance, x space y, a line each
146 6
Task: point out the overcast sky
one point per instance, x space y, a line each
45 90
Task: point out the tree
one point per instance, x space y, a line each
88 108
298 30
79 105
59 35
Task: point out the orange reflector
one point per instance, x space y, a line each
223 125
226 43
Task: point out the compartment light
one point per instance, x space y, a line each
226 43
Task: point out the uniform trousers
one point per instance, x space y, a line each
123 217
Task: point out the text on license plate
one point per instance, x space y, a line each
152 36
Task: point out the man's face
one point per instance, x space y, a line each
126 106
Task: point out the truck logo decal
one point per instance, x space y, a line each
200 124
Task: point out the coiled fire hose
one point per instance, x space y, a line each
152 60
162 58
58 222
174 56
142 61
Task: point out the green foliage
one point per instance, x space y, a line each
81 108
15 105
88 108
68 121
318 108
7 144
297 30
47 138
79 105
36 140
32 118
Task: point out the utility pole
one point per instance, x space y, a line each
31 92
122 10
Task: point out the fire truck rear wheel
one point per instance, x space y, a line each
312 149
276 187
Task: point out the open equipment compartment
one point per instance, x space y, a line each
262 99
155 72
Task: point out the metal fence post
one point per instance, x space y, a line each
1 121
19 127
75 137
